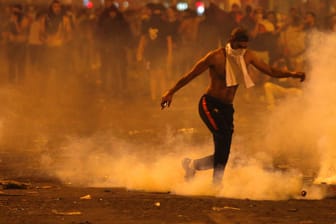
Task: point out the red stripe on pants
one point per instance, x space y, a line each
207 112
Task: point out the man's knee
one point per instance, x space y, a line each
224 136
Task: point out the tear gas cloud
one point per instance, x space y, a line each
300 133
303 129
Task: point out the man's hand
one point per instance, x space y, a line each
166 100
299 75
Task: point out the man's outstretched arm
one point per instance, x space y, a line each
197 69
271 71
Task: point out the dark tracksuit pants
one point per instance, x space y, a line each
219 119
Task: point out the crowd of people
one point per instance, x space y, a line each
149 46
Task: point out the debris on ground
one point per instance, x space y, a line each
66 213
11 184
86 197
218 209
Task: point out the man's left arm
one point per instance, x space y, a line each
251 58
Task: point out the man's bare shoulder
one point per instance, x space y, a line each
215 55
250 56
216 52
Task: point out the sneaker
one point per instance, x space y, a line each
188 169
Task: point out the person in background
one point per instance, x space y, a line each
116 36
332 23
56 33
36 44
277 89
187 42
309 22
155 48
293 43
16 38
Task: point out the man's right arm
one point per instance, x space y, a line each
202 65
197 69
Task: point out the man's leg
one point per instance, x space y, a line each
204 163
191 166
220 123
217 161
222 150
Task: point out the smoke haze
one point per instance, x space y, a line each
84 139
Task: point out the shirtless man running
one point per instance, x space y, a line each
216 105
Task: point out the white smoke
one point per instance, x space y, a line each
301 131
322 102
305 128
299 134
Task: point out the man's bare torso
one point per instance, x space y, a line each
217 86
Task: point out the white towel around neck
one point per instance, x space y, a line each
235 65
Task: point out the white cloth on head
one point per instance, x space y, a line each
236 67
